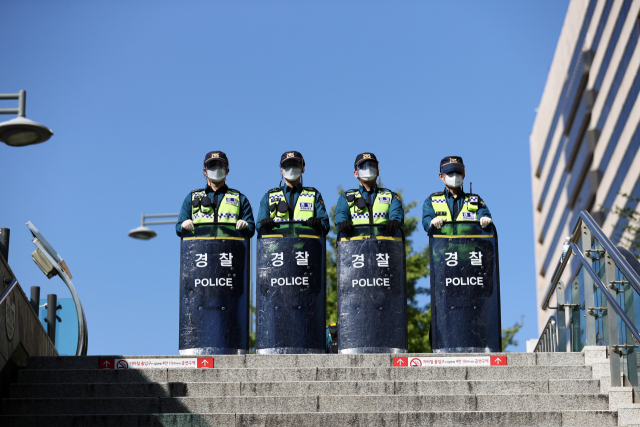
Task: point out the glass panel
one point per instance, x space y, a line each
67 329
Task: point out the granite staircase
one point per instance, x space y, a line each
534 389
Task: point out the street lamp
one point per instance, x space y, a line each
21 131
145 233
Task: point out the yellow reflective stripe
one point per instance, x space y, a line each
272 235
214 238
309 236
355 238
397 239
480 236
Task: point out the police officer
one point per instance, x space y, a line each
292 201
368 204
453 202
216 202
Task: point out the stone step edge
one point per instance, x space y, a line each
311 395
310 413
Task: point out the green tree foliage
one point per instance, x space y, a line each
627 232
509 334
418 318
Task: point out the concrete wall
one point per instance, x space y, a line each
29 336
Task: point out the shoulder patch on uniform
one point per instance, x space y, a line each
396 196
437 193
322 202
233 190
273 190
197 190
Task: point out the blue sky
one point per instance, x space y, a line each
137 92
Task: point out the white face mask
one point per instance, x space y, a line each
368 173
453 180
291 173
216 173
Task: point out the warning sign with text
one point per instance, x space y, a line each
450 361
177 363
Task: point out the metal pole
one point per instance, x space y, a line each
35 299
562 321
576 345
22 103
632 353
614 357
4 243
588 290
52 304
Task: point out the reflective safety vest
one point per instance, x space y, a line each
304 209
360 211
228 210
467 213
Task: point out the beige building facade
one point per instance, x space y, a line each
585 141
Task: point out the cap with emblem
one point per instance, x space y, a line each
452 164
216 155
364 157
291 155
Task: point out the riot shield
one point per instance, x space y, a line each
372 301
465 289
214 291
291 291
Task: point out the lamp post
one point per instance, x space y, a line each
145 233
21 131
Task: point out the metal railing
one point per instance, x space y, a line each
548 341
604 285
55 261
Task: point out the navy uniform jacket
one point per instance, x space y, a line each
428 213
246 213
320 211
342 208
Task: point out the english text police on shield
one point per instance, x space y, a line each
464 281
220 281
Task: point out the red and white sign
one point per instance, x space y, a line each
450 361
415 362
175 363
499 361
400 361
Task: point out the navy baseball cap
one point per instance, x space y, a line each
291 155
452 164
216 155
363 158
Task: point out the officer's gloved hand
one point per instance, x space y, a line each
268 224
345 226
484 221
241 224
314 222
393 226
437 222
187 224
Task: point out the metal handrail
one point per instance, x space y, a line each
615 254
548 341
622 263
562 263
56 261
610 299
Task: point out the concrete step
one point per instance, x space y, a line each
304 374
325 419
309 360
303 388
294 404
